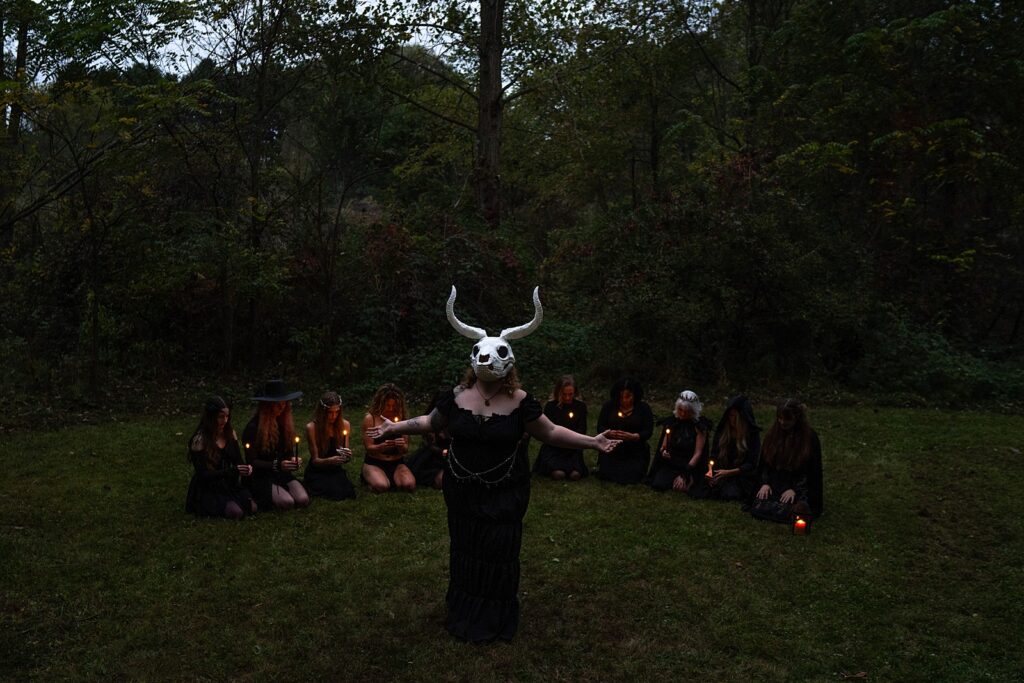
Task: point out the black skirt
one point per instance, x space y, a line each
486 529
328 482
567 460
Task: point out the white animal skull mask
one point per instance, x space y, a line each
492 357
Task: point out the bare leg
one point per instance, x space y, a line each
233 511
575 475
298 493
558 475
282 499
375 478
439 480
404 478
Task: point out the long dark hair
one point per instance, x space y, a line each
206 431
380 399
320 424
788 449
631 384
273 433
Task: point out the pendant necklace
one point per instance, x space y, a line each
487 399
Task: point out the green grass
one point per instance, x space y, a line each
915 572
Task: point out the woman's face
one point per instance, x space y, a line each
626 399
567 394
683 412
786 421
733 417
333 412
391 406
222 419
278 408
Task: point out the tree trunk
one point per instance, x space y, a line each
488 160
20 63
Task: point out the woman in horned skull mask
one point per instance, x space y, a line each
487 482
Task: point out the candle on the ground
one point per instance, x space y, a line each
800 526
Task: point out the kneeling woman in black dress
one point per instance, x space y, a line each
679 464
791 481
627 418
566 410
327 436
736 451
216 489
272 449
487 483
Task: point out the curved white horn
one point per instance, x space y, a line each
461 327
519 332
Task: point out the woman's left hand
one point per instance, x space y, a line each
605 443
788 496
379 432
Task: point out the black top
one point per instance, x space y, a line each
218 468
263 459
640 421
806 481
483 449
682 440
559 414
748 461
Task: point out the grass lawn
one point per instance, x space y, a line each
916 572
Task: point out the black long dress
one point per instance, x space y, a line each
429 459
328 481
681 443
628 462
742 486
216 481
487 490
551 458
264 472
805 481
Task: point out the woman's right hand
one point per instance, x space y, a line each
290 465
245 470
343 456
764 492
665 454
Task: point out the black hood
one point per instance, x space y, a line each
742 404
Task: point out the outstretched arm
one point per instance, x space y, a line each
424 424
547 431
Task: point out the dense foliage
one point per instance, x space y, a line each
762 192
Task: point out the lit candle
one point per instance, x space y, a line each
711 468
344 438
296 451
571 415
668 430
800 526
620 413
395 418
444 453
245 454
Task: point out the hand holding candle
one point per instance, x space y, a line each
711 469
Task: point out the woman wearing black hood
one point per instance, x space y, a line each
630 420
736 450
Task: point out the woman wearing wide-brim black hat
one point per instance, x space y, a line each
271 447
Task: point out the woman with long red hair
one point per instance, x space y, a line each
271 448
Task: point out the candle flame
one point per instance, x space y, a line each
344 432
570 415
620 413
668 431
395 419
247 446
296 439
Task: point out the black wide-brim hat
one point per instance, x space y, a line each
275 390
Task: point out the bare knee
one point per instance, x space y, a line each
439 480
404 479
557 474
233 511
299 495
282 499
575 475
